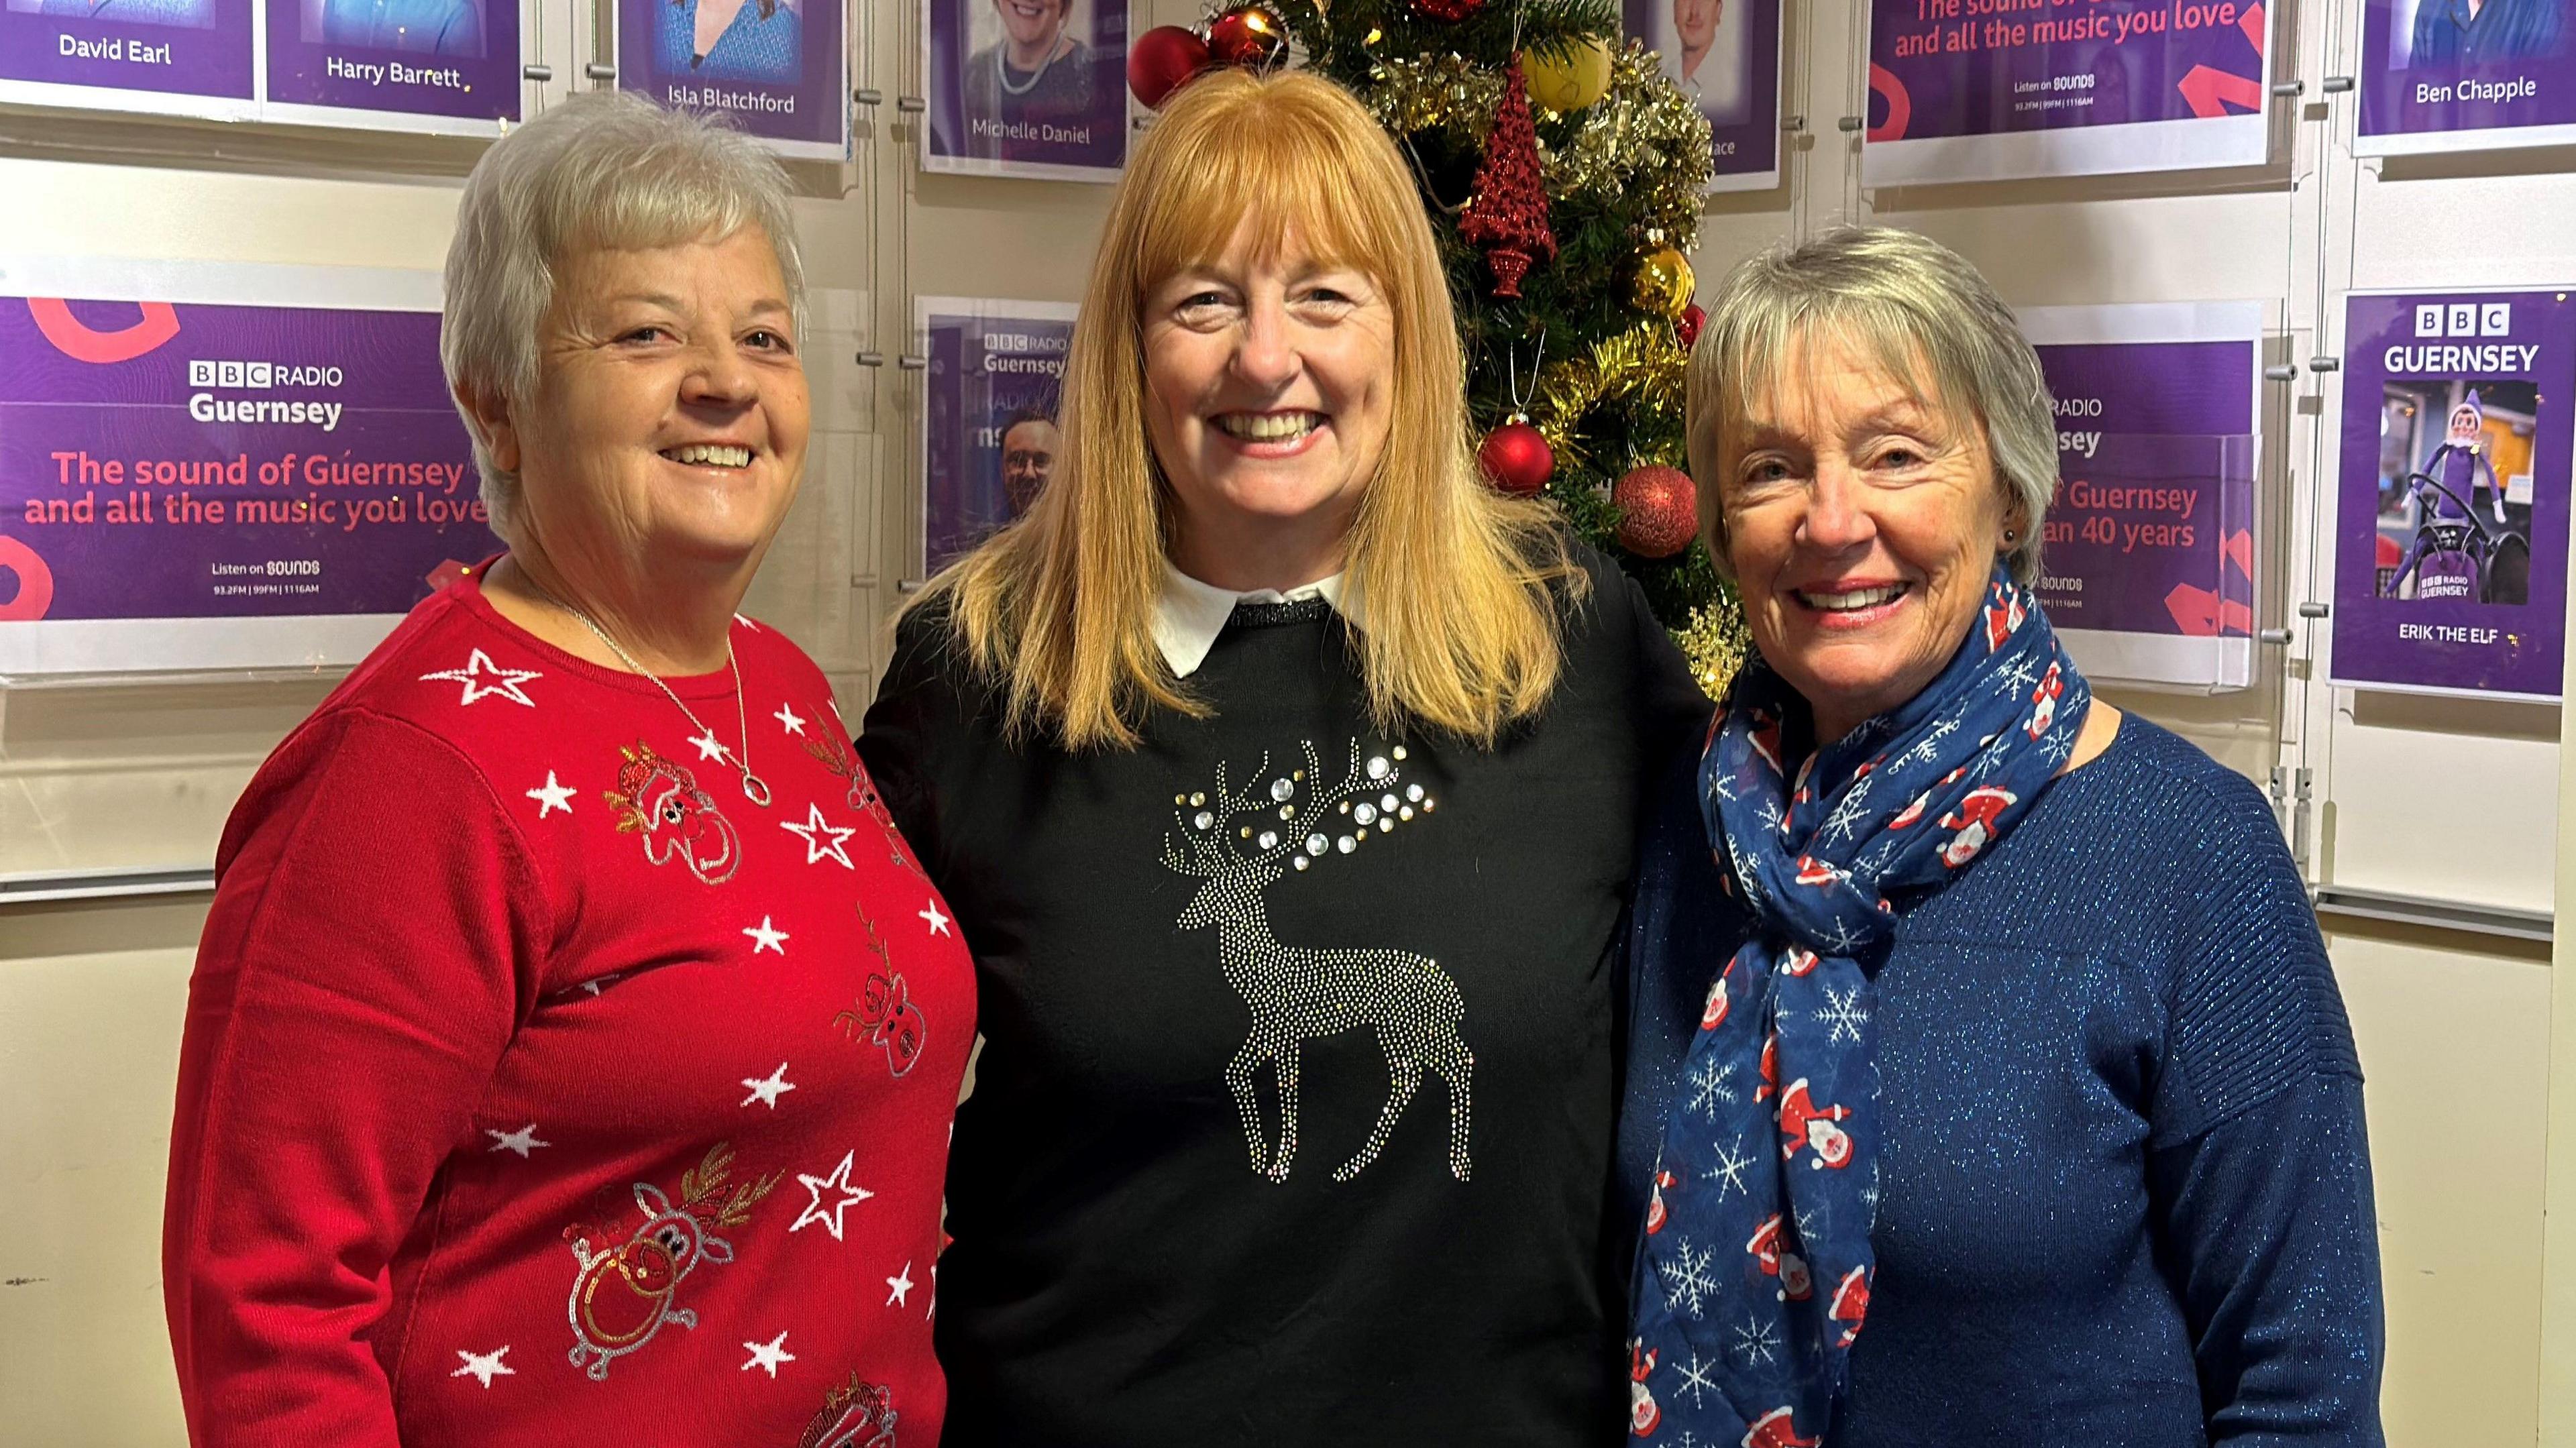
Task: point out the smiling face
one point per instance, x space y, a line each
1860 525
670 414
1031 23
1695 22
1268 388
2464 424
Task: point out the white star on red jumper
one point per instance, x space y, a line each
483 679
485 1366
829 846
765 938
551 796
838 1181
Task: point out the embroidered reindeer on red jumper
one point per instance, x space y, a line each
1241 845
623 1295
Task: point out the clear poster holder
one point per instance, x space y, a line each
2150 558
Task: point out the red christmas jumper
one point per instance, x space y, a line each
540 1088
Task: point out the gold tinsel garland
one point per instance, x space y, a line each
1714 642
1642 139
1644 365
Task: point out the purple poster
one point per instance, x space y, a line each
989 435
1994 90
412 62
221 466
1724 54
2447 75
173 57
777 67
1027 88
2451 496
2149 548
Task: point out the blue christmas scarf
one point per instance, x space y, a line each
1754 1271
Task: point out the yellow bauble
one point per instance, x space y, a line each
1571 80
1663 284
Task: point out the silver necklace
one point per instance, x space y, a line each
753 788
1002 69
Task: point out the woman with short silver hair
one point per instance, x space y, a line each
1964 1006
568 997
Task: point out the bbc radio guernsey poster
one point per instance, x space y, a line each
2149 548
167 57
1996 90
1034 88
1724 55
213 466
777 68
2452 75
989 430
2451 495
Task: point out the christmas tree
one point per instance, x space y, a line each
1563 173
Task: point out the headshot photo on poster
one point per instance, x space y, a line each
1027 88
2444 75
776 68
2452 493
1724 55
395 64
166 57
990 434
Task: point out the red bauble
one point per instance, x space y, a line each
1517 458
1451 11
1161 60
1247 35
1659 511
1693 318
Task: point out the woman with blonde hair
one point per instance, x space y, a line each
1284 777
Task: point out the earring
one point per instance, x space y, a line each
2008 537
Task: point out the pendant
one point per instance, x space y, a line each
754 790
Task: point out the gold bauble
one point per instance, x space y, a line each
1570 80
1663 284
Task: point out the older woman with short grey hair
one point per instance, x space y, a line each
568 996
1966 1009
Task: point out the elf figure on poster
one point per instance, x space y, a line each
1563 172
2446 560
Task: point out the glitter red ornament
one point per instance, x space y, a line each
1693 318
1508 216
1516 458
1161 60
1247 35
1658 511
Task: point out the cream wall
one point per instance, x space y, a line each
2455 1030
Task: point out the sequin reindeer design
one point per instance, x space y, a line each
661 801
622 1295
1243 844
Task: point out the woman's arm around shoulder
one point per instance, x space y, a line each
2259 1163
376 935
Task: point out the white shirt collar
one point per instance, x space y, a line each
1191 614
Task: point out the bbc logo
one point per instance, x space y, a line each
244 375
2464 319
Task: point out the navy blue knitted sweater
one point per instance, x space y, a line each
2127 1193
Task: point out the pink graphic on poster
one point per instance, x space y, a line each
2149 548
1990 90
195 483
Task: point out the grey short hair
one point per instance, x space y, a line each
1910 305
603 170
